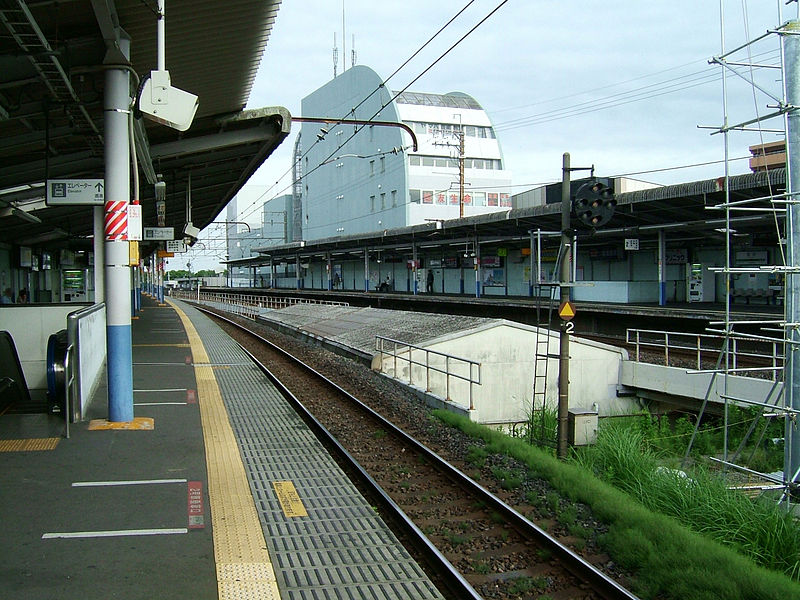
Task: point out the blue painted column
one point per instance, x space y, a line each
366 269
116 104
662 269
329 269
531 274
477 268
160 263
137 282
414 282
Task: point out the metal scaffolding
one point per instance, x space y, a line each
783 401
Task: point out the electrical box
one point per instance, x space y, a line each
581 427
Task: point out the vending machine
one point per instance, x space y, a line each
73 285
700 283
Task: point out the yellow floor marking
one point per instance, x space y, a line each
29 445
244 568
138 424
289 499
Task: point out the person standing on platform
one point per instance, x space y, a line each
430 282
22 298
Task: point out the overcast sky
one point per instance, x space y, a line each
619 84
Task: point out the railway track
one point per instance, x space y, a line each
474 543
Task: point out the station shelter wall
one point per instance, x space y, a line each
623 276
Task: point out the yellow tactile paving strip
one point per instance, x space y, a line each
30 445
244 568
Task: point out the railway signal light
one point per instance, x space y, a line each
594 204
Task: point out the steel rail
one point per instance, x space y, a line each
572 562
455 581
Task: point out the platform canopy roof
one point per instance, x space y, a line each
51 106
688 212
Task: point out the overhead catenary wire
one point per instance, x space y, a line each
696 78
360 128
374 91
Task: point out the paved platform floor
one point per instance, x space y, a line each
227 496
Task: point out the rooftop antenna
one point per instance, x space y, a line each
344 43
353 52
335 55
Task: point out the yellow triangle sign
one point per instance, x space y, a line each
566 311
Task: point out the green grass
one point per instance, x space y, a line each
509 480
522 585
481 567
476 456
758 529
669 560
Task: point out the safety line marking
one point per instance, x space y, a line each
289 499
244 568
160 403
161 345
29 445
113 533
164 390
126 482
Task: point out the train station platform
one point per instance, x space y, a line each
600 318
219 491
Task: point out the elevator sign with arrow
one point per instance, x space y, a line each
75 191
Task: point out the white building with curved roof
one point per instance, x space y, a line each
357 179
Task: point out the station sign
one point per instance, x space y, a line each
159 234
176 246
631 243
566 311
134 222
75 191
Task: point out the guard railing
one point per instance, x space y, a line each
431 362
745 352
248 305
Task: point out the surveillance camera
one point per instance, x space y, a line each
160 190
165 104
190 234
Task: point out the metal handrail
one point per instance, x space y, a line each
400 348
248 305
69 382
768 349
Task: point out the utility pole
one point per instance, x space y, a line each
563 355
461 154
461 172
594 206
792 369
